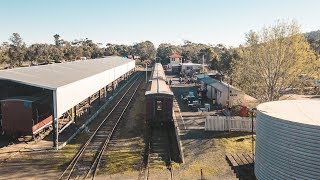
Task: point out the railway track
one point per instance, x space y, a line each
158 151
86 162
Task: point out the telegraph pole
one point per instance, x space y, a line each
146 73
203 64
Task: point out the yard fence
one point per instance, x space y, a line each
226 123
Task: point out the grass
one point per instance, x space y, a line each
121 161
211 157
240 144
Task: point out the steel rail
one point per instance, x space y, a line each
76 158
95 164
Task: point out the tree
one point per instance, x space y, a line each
273 60
165 50
4 48
17 50
57 39
56 53
145 50
192 51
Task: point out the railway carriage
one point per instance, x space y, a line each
26 115
159 99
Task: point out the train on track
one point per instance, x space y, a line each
159 98
34 115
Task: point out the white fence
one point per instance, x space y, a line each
224 123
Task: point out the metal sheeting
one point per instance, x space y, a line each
159 86
71 82
287 140
158 81
57 75
158 72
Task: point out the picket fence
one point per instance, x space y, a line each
226 123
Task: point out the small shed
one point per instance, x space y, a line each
190 68
221 92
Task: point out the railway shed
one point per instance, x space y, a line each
287 140
67 84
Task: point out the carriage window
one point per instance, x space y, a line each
159 105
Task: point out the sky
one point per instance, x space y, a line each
160 21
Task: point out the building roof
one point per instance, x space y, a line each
175 56
296 111
53 76
201 76
209 80
191 64
158 81
71 82
176 65
159 86
223 87
158 72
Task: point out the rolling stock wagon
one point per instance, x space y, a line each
159 99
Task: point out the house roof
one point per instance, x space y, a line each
175 56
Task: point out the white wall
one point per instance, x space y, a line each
70 95
175 60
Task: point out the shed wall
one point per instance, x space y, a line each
72 94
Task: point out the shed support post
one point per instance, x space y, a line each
112 88
89 100
75 113
106 95
56 133
99 97
55 121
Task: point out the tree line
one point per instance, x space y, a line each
276 58
16 53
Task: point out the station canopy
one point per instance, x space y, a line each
71 82
53 76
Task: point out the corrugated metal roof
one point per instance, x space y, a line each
159 86
209 80
201 76
158 81
158 72
53 76
299 111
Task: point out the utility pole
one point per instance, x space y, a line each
203 64
228 92
146 73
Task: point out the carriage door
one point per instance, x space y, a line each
159 109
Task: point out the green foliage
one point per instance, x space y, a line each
314 39
145 50
17 50
273 60
165 50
